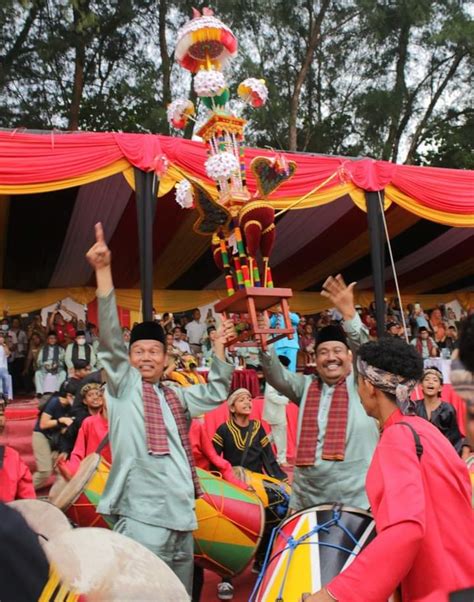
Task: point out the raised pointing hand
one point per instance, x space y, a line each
99 255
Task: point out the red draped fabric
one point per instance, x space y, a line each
38 158
448 190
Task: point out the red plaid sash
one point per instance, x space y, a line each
156 437
335 439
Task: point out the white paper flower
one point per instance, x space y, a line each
178 112
209 83
254 91
222 165
184 194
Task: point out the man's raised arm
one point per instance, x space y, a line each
112 352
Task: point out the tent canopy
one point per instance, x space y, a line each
55 186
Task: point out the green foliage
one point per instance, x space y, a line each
383 79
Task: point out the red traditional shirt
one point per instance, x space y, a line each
15 478
92 432
422 510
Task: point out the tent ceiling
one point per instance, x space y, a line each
46 236
54 186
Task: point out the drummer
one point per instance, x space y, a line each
419 491
16 482
244 442
151 490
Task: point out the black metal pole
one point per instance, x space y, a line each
377 254
145 192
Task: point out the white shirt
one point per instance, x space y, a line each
182 346
195 331
3 358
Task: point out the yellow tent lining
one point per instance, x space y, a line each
175 301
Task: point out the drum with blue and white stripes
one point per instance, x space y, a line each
310 548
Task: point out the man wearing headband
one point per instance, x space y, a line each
441 414
336 439
419 492
152 486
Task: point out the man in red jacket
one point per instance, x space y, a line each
15 477
419 492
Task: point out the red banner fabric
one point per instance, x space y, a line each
37 158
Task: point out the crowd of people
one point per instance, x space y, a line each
362 439
40 356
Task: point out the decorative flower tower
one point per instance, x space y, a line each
240 224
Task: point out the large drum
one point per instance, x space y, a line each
310 548
43 518
80 497
273 493
230 520
108 567
230 526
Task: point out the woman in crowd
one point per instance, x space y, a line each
35 344
438 327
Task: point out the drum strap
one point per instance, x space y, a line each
416 436
2 455
102 444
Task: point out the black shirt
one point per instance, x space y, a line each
55 409
230 440
444 418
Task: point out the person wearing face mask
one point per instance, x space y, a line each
79 350
335 437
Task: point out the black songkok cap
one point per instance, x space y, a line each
331 333
148 331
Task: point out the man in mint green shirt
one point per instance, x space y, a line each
149 497
331 480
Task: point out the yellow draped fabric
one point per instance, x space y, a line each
465 220
321 197
99 174
175 301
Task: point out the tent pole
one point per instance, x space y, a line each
377 255
145 192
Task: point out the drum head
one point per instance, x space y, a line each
45 519
107 566
69 494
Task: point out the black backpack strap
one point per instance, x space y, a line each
2 455
416 436
102 444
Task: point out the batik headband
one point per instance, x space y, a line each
435 372
393 384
